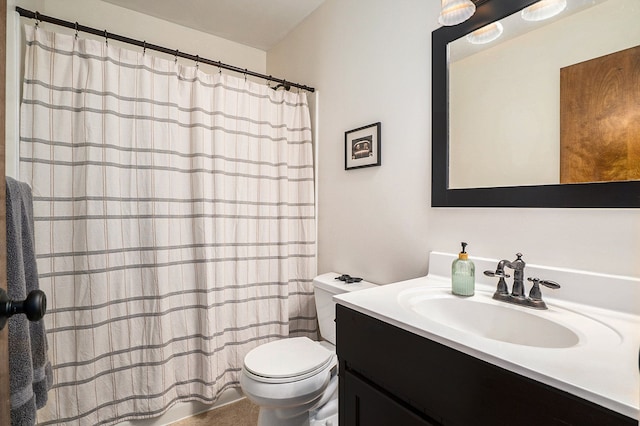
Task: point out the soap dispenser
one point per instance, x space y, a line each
463 274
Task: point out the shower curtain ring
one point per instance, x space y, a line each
106 37
219 67
144 47
175 60
197 61
76 26
37 19
245 74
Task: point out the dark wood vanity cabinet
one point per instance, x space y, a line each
370 405
389 376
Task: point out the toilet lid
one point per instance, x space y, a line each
287 359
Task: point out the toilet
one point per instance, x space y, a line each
295 380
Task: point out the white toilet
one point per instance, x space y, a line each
295 380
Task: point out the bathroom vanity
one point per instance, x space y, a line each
398 366
391 376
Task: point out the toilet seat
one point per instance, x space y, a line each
287 360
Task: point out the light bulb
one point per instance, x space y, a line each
544 9
486 34
455 12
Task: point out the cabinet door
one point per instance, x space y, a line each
371 407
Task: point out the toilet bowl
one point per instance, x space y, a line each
294 381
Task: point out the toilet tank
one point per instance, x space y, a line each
324 287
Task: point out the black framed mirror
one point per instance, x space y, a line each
610 194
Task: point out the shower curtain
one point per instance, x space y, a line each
174 222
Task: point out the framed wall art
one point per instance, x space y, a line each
362 147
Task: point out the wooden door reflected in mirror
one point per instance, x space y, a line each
600 119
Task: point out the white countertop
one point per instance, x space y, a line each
604 371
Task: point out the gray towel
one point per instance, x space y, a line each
29 369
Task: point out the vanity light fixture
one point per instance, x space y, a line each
455 12
544 9
486 34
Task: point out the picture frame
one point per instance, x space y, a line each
362 147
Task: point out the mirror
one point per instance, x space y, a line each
497 107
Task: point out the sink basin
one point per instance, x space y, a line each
482 316
585 344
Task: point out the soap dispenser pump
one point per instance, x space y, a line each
463 273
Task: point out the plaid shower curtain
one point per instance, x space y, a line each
174 224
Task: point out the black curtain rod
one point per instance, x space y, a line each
103 33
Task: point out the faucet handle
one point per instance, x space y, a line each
502 291
550 284
546 283
535 293
496 274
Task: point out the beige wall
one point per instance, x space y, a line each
372 62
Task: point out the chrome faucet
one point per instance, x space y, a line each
517 295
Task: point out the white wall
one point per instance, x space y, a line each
371 61
98 14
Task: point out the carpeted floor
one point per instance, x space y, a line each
241 413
